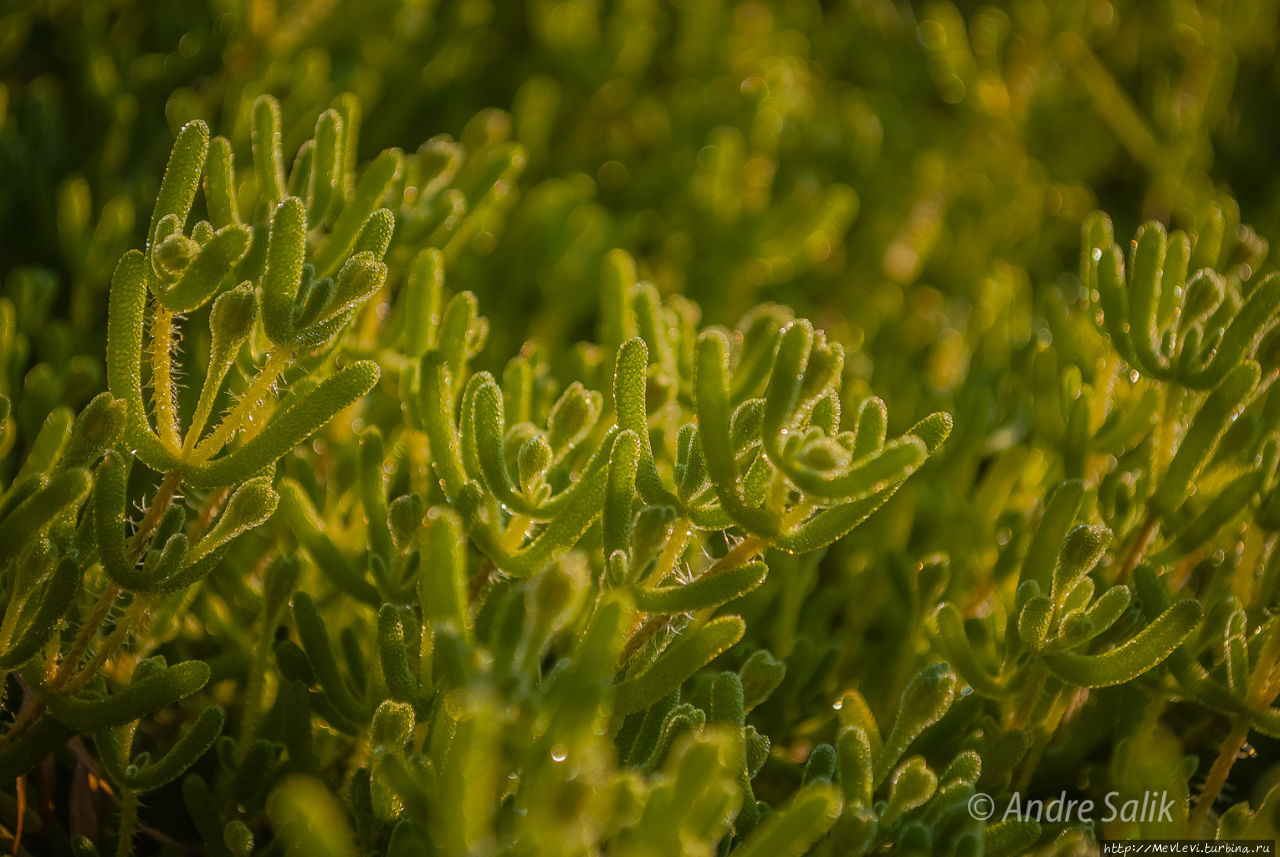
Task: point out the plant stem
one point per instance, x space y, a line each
1265 586
89 630
162 377
514 535
741 553
256 684
1029 696
204 405
212 503
1043 736
128 821
1165 441
641 635
138 609
160 504
1146 532
1218 774
671 551
246 409
1103 390
1166 430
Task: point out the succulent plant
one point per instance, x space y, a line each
424 477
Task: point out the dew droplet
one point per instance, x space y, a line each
559 753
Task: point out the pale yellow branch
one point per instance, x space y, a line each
245 411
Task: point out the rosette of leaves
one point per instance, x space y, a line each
894 797
1069 633
1067 629
751 441
1188 318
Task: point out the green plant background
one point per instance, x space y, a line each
450 514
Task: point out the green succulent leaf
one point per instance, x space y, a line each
181 176
795 828
705 592
689 653
302 418
268 160
1141 653
143 697
194 743
53 602
1201 440
202 278
124 358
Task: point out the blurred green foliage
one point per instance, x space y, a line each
438 459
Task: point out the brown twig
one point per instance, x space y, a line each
1141 540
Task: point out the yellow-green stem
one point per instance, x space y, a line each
126 625
1166 431
128 822
204 406
89 630
21 795
741 553
243 414
672 550
162 377
514 535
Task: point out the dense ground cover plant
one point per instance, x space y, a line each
305 552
